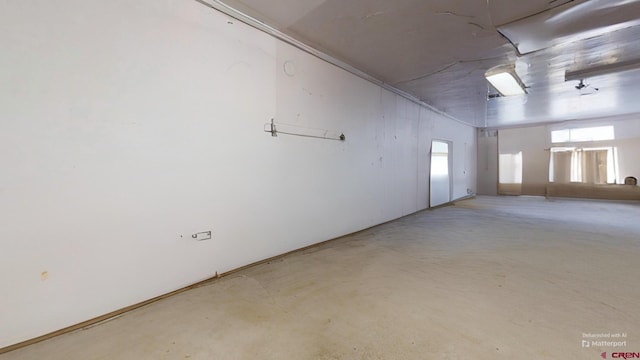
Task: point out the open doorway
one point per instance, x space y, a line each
440 181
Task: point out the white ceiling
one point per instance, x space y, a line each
439 50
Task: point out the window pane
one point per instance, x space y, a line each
559 136
510 168
592 134
583 134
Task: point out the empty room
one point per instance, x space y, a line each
319 179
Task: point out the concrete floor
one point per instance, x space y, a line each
489 278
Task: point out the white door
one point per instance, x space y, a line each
440 179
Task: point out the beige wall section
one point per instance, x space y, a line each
629 149
594 191
628 158
487 162
533 142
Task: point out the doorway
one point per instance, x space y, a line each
440 181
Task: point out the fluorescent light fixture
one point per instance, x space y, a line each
600 70
505 80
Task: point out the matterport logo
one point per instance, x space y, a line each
610 340
622 355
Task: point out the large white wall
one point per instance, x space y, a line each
128 126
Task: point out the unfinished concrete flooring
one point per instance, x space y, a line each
489 278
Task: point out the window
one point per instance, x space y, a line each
510 174
510 168
583 134
561 136
587 165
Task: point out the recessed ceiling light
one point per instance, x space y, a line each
505 80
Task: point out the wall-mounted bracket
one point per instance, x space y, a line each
276 129
274 132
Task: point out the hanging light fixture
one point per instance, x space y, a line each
600 70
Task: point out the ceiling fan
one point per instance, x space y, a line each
583 88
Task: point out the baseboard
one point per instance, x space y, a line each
453 202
